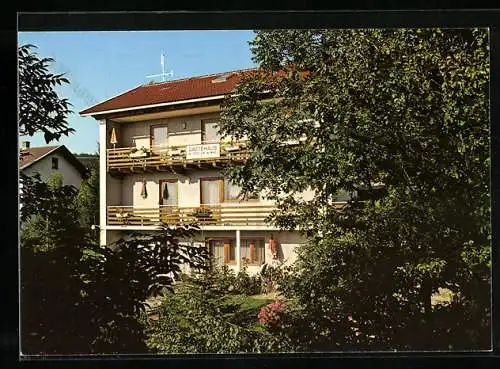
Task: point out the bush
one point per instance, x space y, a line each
269 314
247 284
270 277
83 299
223 280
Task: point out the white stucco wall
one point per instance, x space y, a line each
177 135
188 188
71 176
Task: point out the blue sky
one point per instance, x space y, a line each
101 65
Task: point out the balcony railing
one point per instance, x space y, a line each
219 215
158 157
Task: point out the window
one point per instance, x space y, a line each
232 192
159 136
212 190
169 192
55 163
210 131
223 251
253 251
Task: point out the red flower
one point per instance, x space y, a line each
268 314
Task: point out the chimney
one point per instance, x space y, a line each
25 145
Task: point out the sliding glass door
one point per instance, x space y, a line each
212 191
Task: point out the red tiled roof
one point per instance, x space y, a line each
33 154
171 91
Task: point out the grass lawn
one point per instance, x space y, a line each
246 308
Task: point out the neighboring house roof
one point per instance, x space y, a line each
32 155
181 90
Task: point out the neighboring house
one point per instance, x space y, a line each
47 159
160 163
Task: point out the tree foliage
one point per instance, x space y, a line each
84 299
79 298
119 279
407 108
44 213
87 199
76 297
198 317
40 107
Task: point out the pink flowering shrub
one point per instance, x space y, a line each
268 315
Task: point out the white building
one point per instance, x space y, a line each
160 163
47 159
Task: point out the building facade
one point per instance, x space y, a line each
161 159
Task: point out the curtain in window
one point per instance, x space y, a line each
169 193
231 191
217 251
209 131
255 254
210 191
160 137
144 189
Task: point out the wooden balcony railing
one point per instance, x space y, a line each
222 214
178 157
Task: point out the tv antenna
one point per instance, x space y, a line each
163 74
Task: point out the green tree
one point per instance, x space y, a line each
87 199
77 298
407 108
117 281
88 300
40 107
44 214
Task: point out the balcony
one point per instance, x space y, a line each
175 158
213 215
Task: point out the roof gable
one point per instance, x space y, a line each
35 154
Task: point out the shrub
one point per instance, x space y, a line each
269 314
247 284
193 319
270 277
223 280
83 299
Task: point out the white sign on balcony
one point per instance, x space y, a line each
203 151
